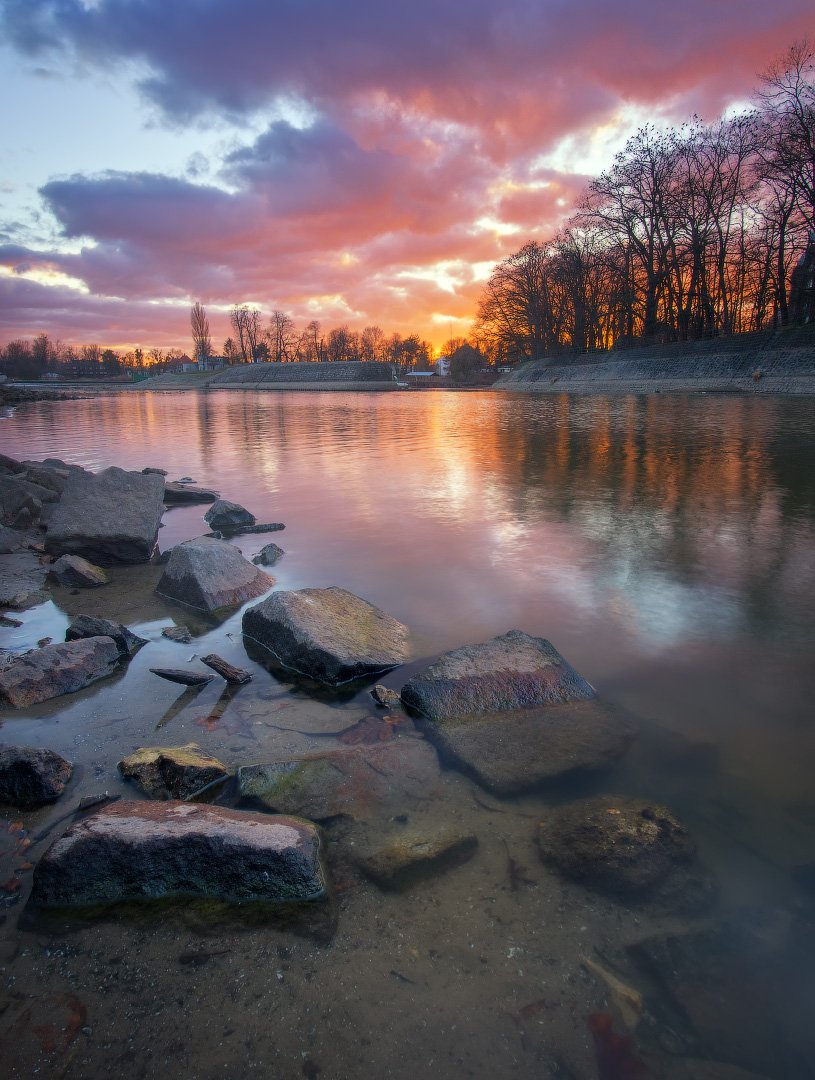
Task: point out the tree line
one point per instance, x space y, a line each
23 359
692 232
279 340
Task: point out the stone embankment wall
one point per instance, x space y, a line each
770 362
351 375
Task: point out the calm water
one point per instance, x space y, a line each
665 545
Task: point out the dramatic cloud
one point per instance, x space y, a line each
375 158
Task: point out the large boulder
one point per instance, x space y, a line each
86 626
109 517
225 515
149 850
22 580
172 772
208 574
513 671
18 506
626 846
513 714
31 776
57 669
361 783
329 635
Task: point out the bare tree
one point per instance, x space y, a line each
282 337
201 340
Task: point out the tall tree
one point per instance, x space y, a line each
201 340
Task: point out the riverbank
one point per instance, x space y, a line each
770 362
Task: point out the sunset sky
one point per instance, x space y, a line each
344 160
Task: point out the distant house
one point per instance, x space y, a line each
443 366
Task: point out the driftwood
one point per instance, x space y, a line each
186 678
227 671
242 530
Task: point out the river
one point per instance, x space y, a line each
665 545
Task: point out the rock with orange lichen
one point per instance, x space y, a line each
172 772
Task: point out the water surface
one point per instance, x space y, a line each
665 545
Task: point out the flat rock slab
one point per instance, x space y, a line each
148 850
85 626
513 671
625 846
31 776
408 857
57 669
172 772
109 517
22 580
329 635
207 574
362 783
77 573
176 494
508 753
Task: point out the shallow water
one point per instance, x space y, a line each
665 545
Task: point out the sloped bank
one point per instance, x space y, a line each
343 375
769 362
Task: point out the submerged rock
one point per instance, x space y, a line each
225 515
77 573
386 698
172 772
508 753
627 846
57 669
403 859
85 626
329 635
149 850
31 776
181 634
208 574
513 714
361 783
110 517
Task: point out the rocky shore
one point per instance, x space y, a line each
403 798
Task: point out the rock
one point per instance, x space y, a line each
622 845
243 530
409 857
180 634
508 753
150 850
14 540
182 676
235 675
18 507
77 573
268 555
57 669
10 464
176 494
225 515
210 574
85 626
172 772
513 714
330 635
22 580
362 782
109 517
158 472
387 699
741 989
30 776
513 671
46 476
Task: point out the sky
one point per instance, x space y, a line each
358 162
